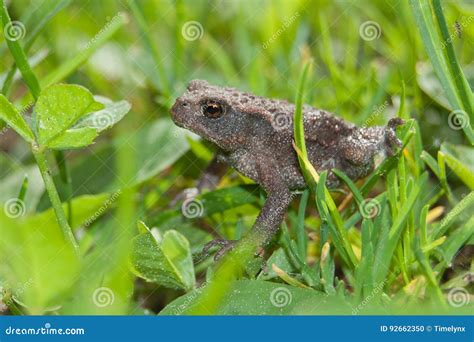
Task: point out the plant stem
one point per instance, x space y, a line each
54 197
19 55
65 176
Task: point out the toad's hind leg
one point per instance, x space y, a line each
360 147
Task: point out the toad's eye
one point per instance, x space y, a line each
213 109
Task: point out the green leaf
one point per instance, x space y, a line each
38 264
255 297
216 201
165 260
74 138
10 115
59 107
280 259
105 118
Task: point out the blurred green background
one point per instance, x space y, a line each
368 59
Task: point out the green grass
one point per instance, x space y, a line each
397 242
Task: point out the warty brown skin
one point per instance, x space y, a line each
254 136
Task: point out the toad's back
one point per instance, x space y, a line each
251 130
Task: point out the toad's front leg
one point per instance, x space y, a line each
271 216
273 212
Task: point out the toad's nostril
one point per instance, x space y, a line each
184 104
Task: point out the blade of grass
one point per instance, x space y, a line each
384 255
325 214
350 184
431 162
443 178
462 86
364 282
23 189
301 239
298 125
19 55
423 232
444 63
147 39
455 214
67 68
428 272
312 176
39 18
